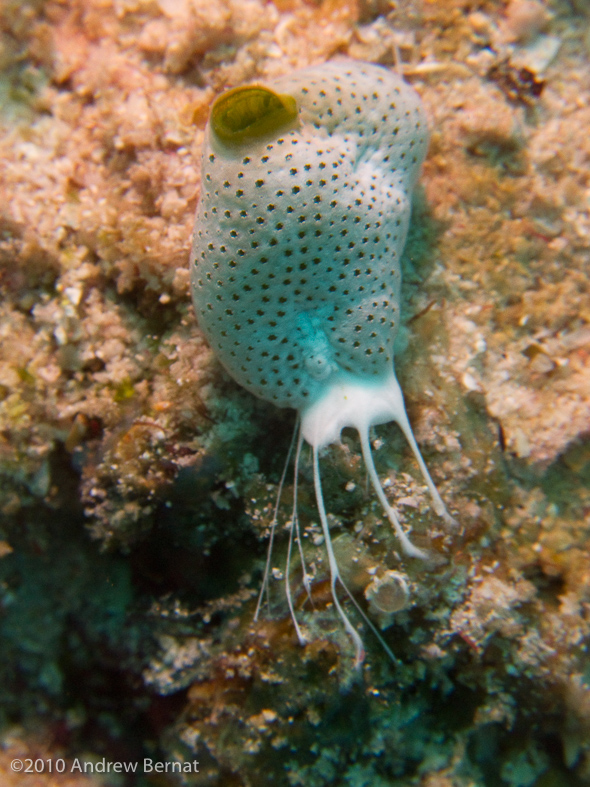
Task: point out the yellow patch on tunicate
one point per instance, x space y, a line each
244 114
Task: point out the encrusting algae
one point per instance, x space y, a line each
116 419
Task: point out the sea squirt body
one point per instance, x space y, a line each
296 254
295 268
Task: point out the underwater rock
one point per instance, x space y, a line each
103 107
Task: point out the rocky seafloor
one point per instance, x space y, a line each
137 481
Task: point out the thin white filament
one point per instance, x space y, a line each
407 545
334 572
369 623
265 583
404 424
301 637
295 528
305 576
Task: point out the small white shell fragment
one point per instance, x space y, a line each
388 593
470 382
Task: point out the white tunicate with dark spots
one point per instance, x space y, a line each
305 204
296 257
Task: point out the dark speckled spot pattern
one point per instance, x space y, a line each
295 266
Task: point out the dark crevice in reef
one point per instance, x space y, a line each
74 629
492 746
188 554
71 652
146 305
